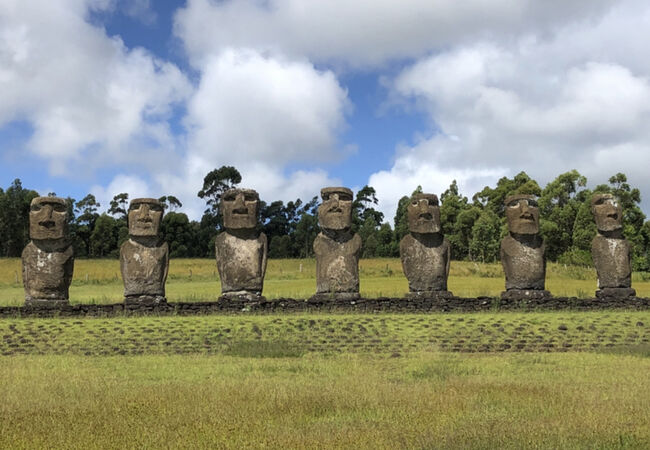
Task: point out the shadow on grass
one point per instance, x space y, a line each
642 350
264 349
442 371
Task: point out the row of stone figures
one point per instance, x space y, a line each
241 250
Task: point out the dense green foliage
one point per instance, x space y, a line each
473 227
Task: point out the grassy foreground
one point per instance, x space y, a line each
425 400
99 281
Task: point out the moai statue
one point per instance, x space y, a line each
425 252
48 260
610 250
144 258
522 251
241 250
337 249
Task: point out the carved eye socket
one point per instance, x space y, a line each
156 208
229 197
343 197
59 207
523 202
134 206
35 208
415 203
250 198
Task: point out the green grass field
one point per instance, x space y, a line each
424 400
99 281
563 379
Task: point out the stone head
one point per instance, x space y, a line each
607 212
240 208
522 214
335 213
48 218
424 214
145 216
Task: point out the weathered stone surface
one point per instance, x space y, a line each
609 249
337 264
522 252
425 252
47 273
144 259
241 251
368 305
48 260
145 216
335 213
615 292
337 249
144 269
241 261
525 294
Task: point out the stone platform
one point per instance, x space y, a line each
361 305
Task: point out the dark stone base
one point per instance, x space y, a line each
325 297
428 294
615 292
46 302
242 296
359 305
145 300
525 294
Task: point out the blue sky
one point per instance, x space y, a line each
110 96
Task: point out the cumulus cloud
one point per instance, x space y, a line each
87 96
254 107
365 32
507 86
540 104
261 114
133 185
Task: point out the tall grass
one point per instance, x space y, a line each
99 281
426 400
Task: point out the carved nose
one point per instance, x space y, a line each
239 202
144 212
335 198
423 205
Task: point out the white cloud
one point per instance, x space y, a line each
133 185
545 106
260 113
418 166
88 97
250 107
365 32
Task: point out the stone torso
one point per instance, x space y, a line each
337 264
241 262
425 263
612 260
524 265
47 274
144 269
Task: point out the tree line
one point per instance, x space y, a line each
473 226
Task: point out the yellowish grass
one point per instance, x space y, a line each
99 281
426 400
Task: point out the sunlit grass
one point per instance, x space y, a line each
99 281
424 400
330 333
